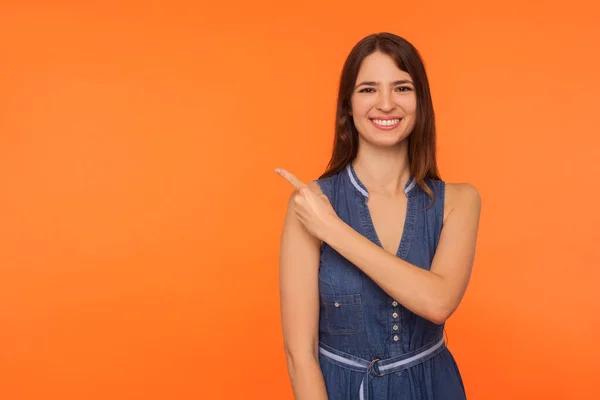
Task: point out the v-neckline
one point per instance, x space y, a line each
367 219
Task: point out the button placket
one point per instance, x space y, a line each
395 322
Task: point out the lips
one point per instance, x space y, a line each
386 124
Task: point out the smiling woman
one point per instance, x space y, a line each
377 253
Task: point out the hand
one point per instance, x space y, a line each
313 209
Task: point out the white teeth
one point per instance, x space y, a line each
386 122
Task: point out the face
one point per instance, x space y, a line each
383 102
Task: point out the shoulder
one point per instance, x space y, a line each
327 186
315 186
463 198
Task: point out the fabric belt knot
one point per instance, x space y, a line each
377 368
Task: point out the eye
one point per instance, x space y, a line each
404 88
365 90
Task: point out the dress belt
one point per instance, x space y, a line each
379 367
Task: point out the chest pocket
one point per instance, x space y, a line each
343 313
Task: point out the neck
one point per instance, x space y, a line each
383 170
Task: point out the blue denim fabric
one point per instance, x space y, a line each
359 319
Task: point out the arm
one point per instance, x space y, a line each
299 291
433 294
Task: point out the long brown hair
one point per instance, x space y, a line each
421 141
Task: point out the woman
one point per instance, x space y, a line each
377 253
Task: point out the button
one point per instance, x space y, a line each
395 327
395 315
396 338
395 303
337 304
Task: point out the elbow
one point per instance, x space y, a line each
439 313
437 318
297 356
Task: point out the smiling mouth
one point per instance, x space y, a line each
386 124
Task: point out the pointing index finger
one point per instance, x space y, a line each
297 183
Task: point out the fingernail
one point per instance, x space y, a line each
278 170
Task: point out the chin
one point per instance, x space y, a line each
383 140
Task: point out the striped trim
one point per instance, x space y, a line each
425 353
343 360
411 182
354 182
385 366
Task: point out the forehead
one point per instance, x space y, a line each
380 67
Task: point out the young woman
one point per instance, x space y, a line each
377 253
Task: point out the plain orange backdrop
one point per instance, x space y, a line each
140 215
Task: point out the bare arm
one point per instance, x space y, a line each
433 294
299 294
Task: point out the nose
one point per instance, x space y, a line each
385 101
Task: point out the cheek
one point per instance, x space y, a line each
359 109
409 105
361 105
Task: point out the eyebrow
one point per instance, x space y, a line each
373 83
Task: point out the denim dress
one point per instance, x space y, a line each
370 346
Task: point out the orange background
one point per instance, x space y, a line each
140 215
